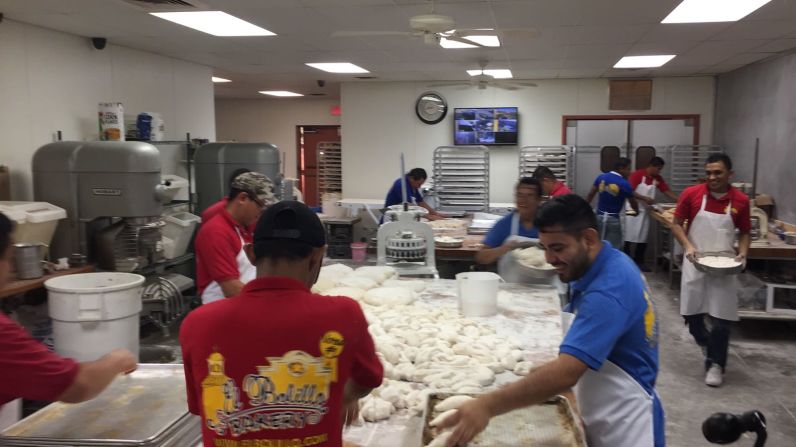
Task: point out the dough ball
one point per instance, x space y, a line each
376 273
389 296
350 292
357 282
337 270
324 283
413 284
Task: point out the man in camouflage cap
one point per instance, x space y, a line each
222 265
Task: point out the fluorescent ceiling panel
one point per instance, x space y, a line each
338 67
702 11
497 74
281 93
215 79
452 44
217 23
643 61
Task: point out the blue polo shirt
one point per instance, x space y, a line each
614 189
615 320
395 196
502 230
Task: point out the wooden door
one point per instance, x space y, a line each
308 138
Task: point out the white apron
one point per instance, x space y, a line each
507 264
636 228
616 410
247 272
708 294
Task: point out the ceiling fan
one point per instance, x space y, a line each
483 80
435 27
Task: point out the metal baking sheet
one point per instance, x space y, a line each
134 409
551 424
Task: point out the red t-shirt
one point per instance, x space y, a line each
28 369
636 176
217 246
690 202
560 190
271 364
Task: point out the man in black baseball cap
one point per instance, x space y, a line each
282 334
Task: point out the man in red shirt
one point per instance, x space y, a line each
221 205
645 182
713 212
29 370
551 186
279 365
222 265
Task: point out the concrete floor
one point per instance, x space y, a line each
760 375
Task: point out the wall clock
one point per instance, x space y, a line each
431 107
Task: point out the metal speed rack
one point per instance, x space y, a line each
461 178
558 158
330 172
685 164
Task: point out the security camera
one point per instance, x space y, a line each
99 42
321 82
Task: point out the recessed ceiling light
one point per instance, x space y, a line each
487 41
643 61
338 67
701 11
280 93
497 74
451 44
217 23
215 79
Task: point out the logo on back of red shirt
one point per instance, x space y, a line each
291 392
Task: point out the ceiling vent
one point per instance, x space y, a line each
365 77
317 94
167 5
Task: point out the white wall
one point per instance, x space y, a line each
272 121
757 101
53 81
379 122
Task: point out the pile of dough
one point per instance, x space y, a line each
389 296
413 284
720 262
336 270
357 282
447 224
350 292
376 273
532 257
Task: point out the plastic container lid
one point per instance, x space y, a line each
94 282
32 212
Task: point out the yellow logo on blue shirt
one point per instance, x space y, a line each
611 188
650 318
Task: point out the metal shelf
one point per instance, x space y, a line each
330 167
461 178
558 158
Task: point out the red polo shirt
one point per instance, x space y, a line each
217 246
560 189
28 369
690 202
217 208
638 175
271 364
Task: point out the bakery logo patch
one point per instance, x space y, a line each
290 392
610 188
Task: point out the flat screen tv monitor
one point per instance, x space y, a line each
489 126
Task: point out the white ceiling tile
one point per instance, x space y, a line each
765 29
597 52
719 69
673 32
776 46
652 48
581 35
713 52
745 58
576 73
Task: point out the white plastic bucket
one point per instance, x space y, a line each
478 293
95 313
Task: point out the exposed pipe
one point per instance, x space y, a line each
754 173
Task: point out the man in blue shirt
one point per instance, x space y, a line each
414 180
613 189
610 351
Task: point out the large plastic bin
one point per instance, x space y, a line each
179 229
95 313
35 221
